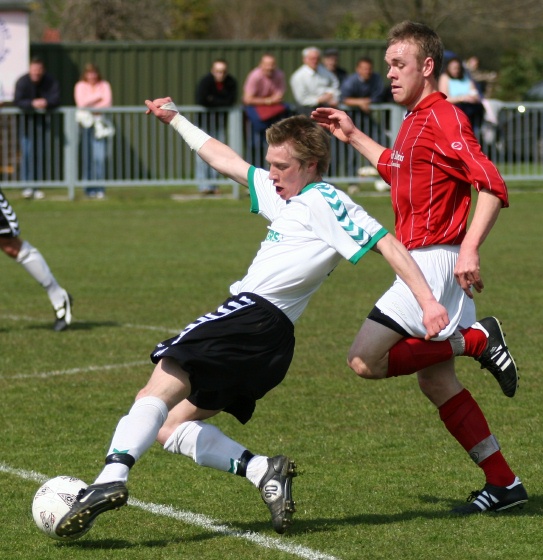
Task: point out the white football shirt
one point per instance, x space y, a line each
307 238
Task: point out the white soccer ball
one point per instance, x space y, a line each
52 501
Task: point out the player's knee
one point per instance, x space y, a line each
11 248
357 364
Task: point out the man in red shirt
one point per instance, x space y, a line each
431 167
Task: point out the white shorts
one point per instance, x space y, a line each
437 264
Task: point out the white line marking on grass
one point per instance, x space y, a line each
74 371
125 325
151 328
198 520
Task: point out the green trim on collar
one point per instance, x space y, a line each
309 187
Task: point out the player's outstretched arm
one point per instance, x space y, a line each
218 155
434 315
342 127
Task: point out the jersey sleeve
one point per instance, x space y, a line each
461 144
342 224
383 165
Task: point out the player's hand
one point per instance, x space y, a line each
334 121
468 272
155 107
434 318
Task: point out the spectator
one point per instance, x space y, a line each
359 91
93 92
364 87
263 93
330 60
35 93
461 90
312 84
216 90
34 263
484 79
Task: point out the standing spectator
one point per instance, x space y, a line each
461 90
484 79
34 263
93 92
330 60
312 84
432 166
216 90
35 93
263 93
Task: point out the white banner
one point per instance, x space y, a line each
14 51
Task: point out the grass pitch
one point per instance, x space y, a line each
378 471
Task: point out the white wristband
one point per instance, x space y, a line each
195 137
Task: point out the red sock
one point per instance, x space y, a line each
475 341
467 424
413 354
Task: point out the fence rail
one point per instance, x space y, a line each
54 149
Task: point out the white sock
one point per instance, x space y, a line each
206 445
458 343
135 434
257 468
34 263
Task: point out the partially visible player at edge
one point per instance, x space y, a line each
230 358
431 167
34 263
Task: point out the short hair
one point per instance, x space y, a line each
37 60
307 50
308 140
366 59
423 37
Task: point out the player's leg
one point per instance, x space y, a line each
369 353
466 422
186 433
135 433
34 263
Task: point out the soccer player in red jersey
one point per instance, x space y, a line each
434 162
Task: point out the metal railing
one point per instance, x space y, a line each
54 149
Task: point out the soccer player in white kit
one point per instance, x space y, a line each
431 167
228 359
34 263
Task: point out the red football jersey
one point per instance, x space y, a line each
431 167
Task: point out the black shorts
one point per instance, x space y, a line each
234 355
379 317
9 226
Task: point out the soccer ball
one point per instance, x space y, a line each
52 501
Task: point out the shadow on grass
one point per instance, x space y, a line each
302 526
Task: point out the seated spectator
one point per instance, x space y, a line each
330 60
312 84
359 91
460 89
364 87
263 93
